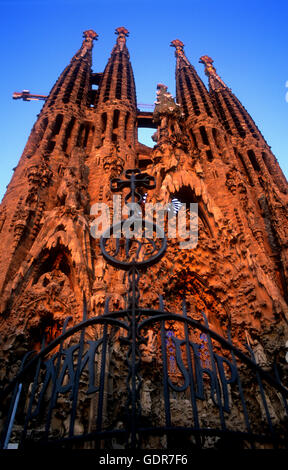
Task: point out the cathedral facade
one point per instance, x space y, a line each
181 373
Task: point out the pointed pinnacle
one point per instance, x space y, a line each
179 45
90 35
122 31
214 80
179 52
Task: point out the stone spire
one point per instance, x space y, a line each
87 45
73 84
118 79
116 107
239 124
215 81
48 160
55 127
234 117
122 33
190 90
205 130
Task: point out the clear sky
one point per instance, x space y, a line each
247 40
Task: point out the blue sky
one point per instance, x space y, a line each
246 39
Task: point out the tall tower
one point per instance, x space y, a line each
257 162
48 194
208 151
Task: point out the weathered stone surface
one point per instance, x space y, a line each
208 151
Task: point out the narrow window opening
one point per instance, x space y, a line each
80 135
116 118
55 131
245 169
44 125
108 83
253 160
57 125
103 122
215 137
220 109
119 79
126 125
86 135
204 135
50 146
90 137
70 85
235 118
68 132
192 94
209 155
193 138
183 99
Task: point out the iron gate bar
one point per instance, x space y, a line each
212 358
159 316
4 438
191 378
29 412
239 383
76 377
54 390
102 377
165 375
155 315
162 317
90 322
262 393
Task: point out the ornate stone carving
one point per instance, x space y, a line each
113 164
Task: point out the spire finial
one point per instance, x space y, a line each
87 44
179 46
214 79
122 33
89 36
207 61
179 52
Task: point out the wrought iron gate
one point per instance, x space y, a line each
143 377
